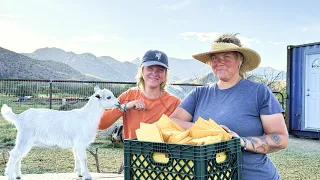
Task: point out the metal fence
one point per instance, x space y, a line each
22 94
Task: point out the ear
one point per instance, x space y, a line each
98 96
96 88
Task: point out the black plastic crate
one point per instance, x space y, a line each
184 161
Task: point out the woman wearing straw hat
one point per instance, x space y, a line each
246 109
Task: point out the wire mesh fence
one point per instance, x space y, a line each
64 95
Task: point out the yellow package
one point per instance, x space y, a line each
149 132
175 138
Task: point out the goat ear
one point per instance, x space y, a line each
98 96
96 88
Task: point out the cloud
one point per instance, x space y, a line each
10 16
207 36
200 36
20 39
179 21
180 5
90 38
310 28
188 33
94 37
221 8
248 41
276 42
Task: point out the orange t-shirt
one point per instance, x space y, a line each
154 108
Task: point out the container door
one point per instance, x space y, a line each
312 92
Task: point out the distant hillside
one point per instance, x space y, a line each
268 73
105 67
109 69
14 65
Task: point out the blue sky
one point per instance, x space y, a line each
125 29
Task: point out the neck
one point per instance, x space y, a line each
228 84
152 93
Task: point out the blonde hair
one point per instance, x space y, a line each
242 67
140 80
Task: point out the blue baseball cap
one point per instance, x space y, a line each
155 57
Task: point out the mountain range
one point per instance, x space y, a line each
109 69
18 66
55 63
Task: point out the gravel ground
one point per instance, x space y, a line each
67 176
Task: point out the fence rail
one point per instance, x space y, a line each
22 94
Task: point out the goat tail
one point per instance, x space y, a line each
7 113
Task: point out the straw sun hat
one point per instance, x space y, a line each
251 58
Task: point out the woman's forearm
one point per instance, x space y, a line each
266 144
184 124
109 117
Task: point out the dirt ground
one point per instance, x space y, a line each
67 176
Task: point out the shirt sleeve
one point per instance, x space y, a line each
110 116
267 102
189 102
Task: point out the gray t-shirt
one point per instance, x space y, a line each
239 108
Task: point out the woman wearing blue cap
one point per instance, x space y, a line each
148 101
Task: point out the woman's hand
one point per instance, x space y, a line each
233 134
137 105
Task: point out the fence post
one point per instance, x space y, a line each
50 94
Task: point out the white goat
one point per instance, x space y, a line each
66 129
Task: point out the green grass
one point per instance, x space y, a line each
52 160
300 160
7 133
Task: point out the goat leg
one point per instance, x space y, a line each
81 153
77 167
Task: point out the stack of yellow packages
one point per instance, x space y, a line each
165 130
202 132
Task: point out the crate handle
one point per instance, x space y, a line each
160 157
221 157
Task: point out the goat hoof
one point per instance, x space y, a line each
18 177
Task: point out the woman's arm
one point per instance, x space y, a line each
275 138
109 117
182 117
